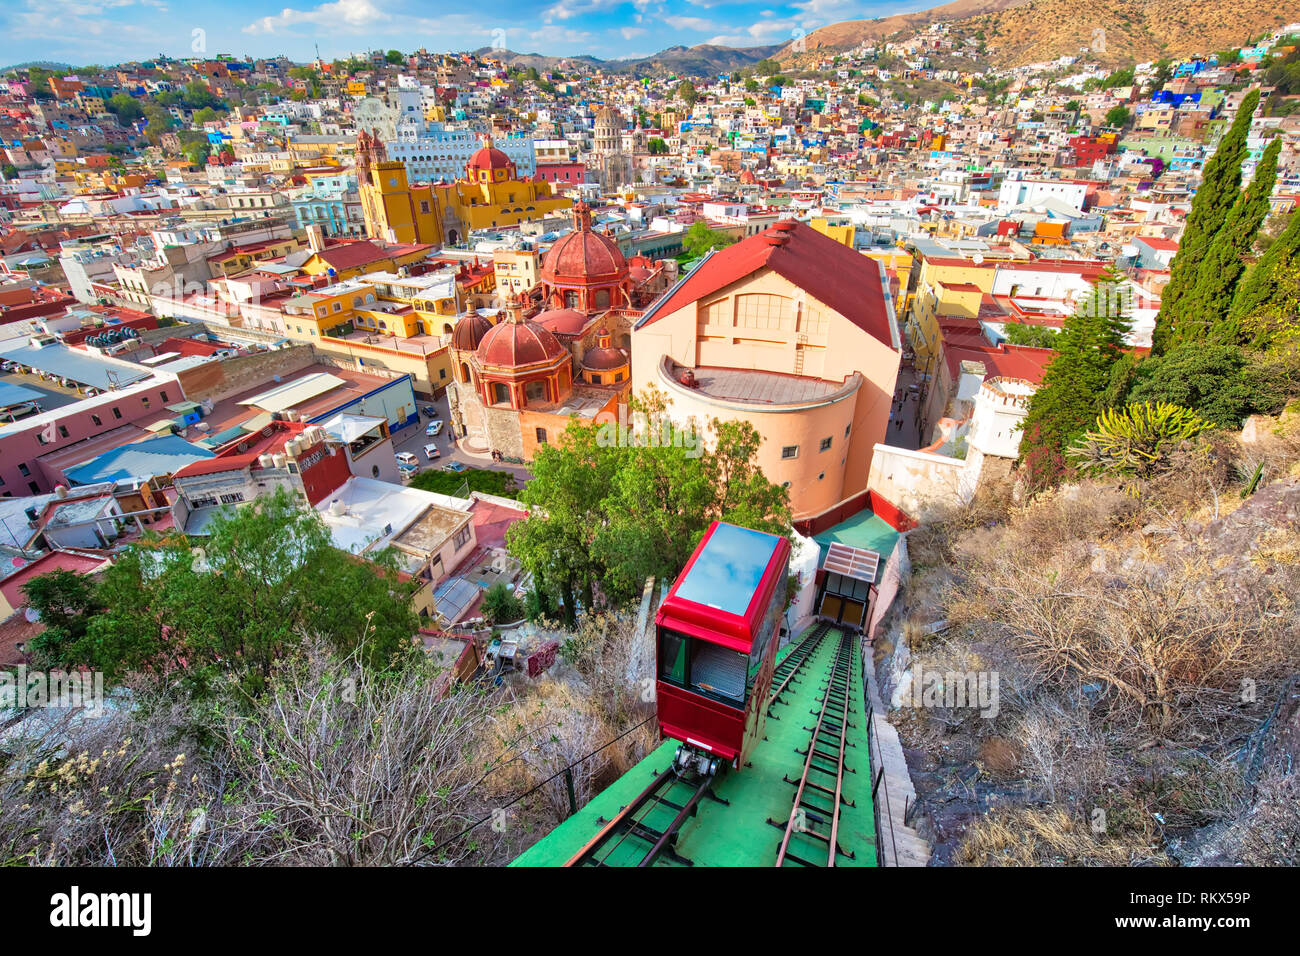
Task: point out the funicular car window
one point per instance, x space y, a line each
703 668
718 672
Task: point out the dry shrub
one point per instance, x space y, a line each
616 667
333 765
1269 834
545 730
1031 836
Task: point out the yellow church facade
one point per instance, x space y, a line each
490 196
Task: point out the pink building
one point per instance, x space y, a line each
792 332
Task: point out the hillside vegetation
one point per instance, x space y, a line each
1016 32
1146 639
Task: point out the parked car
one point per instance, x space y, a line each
406 459
429 411
455 466
431 451
433 428
406 474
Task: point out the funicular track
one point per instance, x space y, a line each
811 832
789 668
630 838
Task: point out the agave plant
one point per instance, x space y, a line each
1137 439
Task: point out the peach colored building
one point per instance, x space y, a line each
792 332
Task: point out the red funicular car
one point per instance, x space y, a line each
717 637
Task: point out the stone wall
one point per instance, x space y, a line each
214 381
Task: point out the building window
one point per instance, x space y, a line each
95 419
163 396
847 429
24 471
535 391
461 537
826 444
34 488
821 476
790 451
442 373
117 412
541 436
500 393
63 430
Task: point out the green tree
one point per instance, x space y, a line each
657 147
1267 299
1205 311
1070 396
1037 336
394 57
1118 116
687 93
125 108
700 239
265 579
1220 182
767 67
609 511
500 606
1219 382
65 602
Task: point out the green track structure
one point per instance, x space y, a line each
742 818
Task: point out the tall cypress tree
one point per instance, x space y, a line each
1075 384
1220 183
1205 309
1265 290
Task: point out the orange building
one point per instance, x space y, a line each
792 332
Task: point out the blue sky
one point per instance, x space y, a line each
111 31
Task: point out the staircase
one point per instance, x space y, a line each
898 843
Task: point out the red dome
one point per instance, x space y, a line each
469 332
583 254
604 359
562 321
489 158
513 344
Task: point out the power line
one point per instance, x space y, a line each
560 772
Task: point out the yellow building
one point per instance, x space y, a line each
843 234
490 196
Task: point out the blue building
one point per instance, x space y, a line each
332 202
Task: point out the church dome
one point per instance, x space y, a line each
469 332
489 159
583 254
516 343
562 321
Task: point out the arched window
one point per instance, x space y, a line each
535 391
500 393
571 300
464 371
602 299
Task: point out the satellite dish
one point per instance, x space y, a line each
32 615
977 259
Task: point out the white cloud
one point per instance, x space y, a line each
692 23
631 32
356 15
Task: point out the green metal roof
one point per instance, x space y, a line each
864 530
738 834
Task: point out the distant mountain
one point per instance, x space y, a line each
535 60
702 60
1016 32
42 64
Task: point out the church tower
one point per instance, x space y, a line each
394 210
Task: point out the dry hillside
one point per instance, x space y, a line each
1018 32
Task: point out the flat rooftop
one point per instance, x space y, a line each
762 388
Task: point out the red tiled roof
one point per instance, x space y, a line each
831 272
